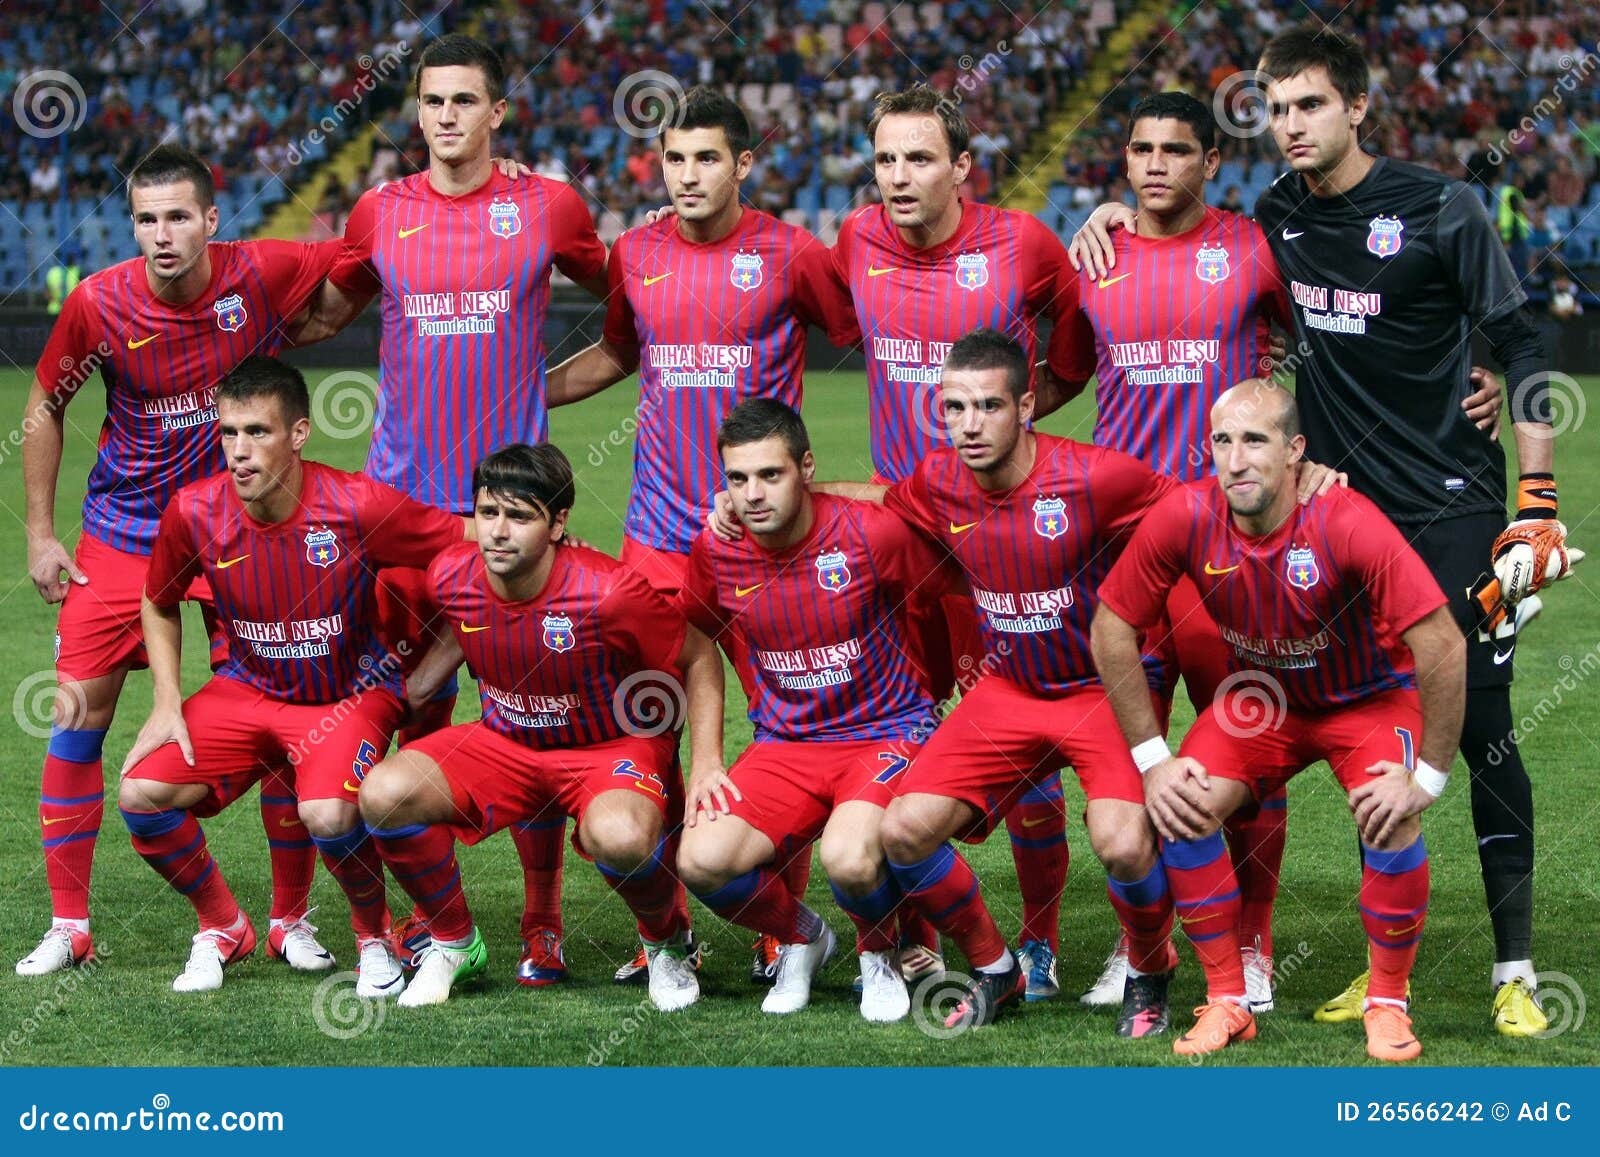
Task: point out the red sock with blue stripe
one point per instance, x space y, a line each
1038 829
651 893
422 859
1206 896
1144 908
354 862
944 887
71 805
289 846
1394 908
872 914
1255 841
760 900
172 843
541 846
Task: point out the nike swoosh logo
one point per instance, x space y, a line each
57 820
468 630
874 271
1033 823
649 281
1288 236
144 341
1402 931
225 563
1501 658
404 233
348 786
1491 839
954 529
1221 569
289 823
741 592
1108 282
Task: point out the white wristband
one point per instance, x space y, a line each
1429 778
1149 753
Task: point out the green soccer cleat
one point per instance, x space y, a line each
441 967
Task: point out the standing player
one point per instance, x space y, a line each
289 549
561 639
1327 604
163 329
816 587
462 255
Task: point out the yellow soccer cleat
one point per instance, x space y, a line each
1349 1005
1517 1011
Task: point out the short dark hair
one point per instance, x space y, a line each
169 165
918 100
259 376
704 107
757 419
540 475
464 51
1177 106
1312 45
990 349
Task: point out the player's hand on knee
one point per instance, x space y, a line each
1530 554
1317 479
47 559
1388 800
709 792
722 521
1484 404
163 727
1090 250
1174 793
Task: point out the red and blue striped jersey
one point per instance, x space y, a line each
588 659
466 286
1034 555
1174 324
710 325
822 619
1318 605
1002 268
295 597
161 365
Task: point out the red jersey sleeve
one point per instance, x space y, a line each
293 269
579 252
905 560
909 499
1136 589
639 623
698 600
1123 491
1052 292
397 530
1398 584
352 269
821 294
621 331
64 360
1274 296
175 563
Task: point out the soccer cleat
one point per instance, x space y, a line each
1108 987
411 937
673 984
884 998
918 962
986 996
295 943
441 967
1517 1011
1257 978
214 949
798 965
1039 962
1348 1005
764 966
378 975
62 947
637 970
1389 1035
542 963
1217 1025
1144 1006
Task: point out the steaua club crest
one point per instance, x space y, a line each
505 218
322 547
231 314
972 270
1383 236
558 633
1301 565
746 271
1211 265
833 571
1049 517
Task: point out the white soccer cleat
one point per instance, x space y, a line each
884 997
673 984
295 943
213 950
1106 991
798 965
1257 977
378 975
440 966
61 948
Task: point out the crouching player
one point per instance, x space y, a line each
816 587
570 650
289 548
1329 612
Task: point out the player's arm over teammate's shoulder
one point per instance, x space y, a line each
1051 290
579 252
615 355
822 292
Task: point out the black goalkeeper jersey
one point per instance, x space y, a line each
1388 280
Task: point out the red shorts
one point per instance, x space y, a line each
99 630
790 789
665 572
408 614
1187 641
1235 738
240 735
1001 740
497 781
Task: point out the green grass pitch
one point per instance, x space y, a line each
122 1012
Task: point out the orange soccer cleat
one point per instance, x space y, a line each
1389 1035
1217 1025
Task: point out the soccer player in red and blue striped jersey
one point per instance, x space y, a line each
162 329
1344 649
816 585
574 655
289 549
